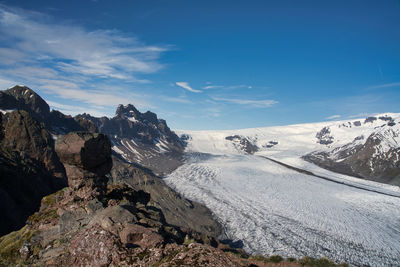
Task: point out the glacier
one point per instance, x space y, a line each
274 209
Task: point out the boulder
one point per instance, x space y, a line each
86 157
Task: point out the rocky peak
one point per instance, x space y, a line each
127 111
24 98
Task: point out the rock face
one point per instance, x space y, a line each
242 143
30 168
86 157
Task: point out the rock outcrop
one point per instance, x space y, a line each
87 159
242 143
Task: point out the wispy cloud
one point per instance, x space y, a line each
176 99
359 115
213 86
333 117
102 53
231 87
185 85
73 110
386 85
5 83
254 103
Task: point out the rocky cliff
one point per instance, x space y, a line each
29 168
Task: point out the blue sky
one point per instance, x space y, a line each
207 64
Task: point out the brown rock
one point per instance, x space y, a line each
140 236
96 247
86 157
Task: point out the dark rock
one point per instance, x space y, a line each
370 119
23 98
243 144
324 137
386 118
29 167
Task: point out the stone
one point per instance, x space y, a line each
140 236
86 157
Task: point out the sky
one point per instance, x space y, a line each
207 64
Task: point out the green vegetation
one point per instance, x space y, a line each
275 258
10 245
43 216
52 198
322 262
258 257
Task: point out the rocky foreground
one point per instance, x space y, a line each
91 223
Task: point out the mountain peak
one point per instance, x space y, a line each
127 111
22 97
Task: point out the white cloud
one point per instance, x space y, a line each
254 103
100 98
101 53
386 85
74 110
186 86
176 100
333 117
229 87
213 86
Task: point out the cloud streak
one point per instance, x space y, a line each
186 86
266 103
386 85
333 117
229 87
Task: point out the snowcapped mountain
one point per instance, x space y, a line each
269 191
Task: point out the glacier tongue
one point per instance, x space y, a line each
275 210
